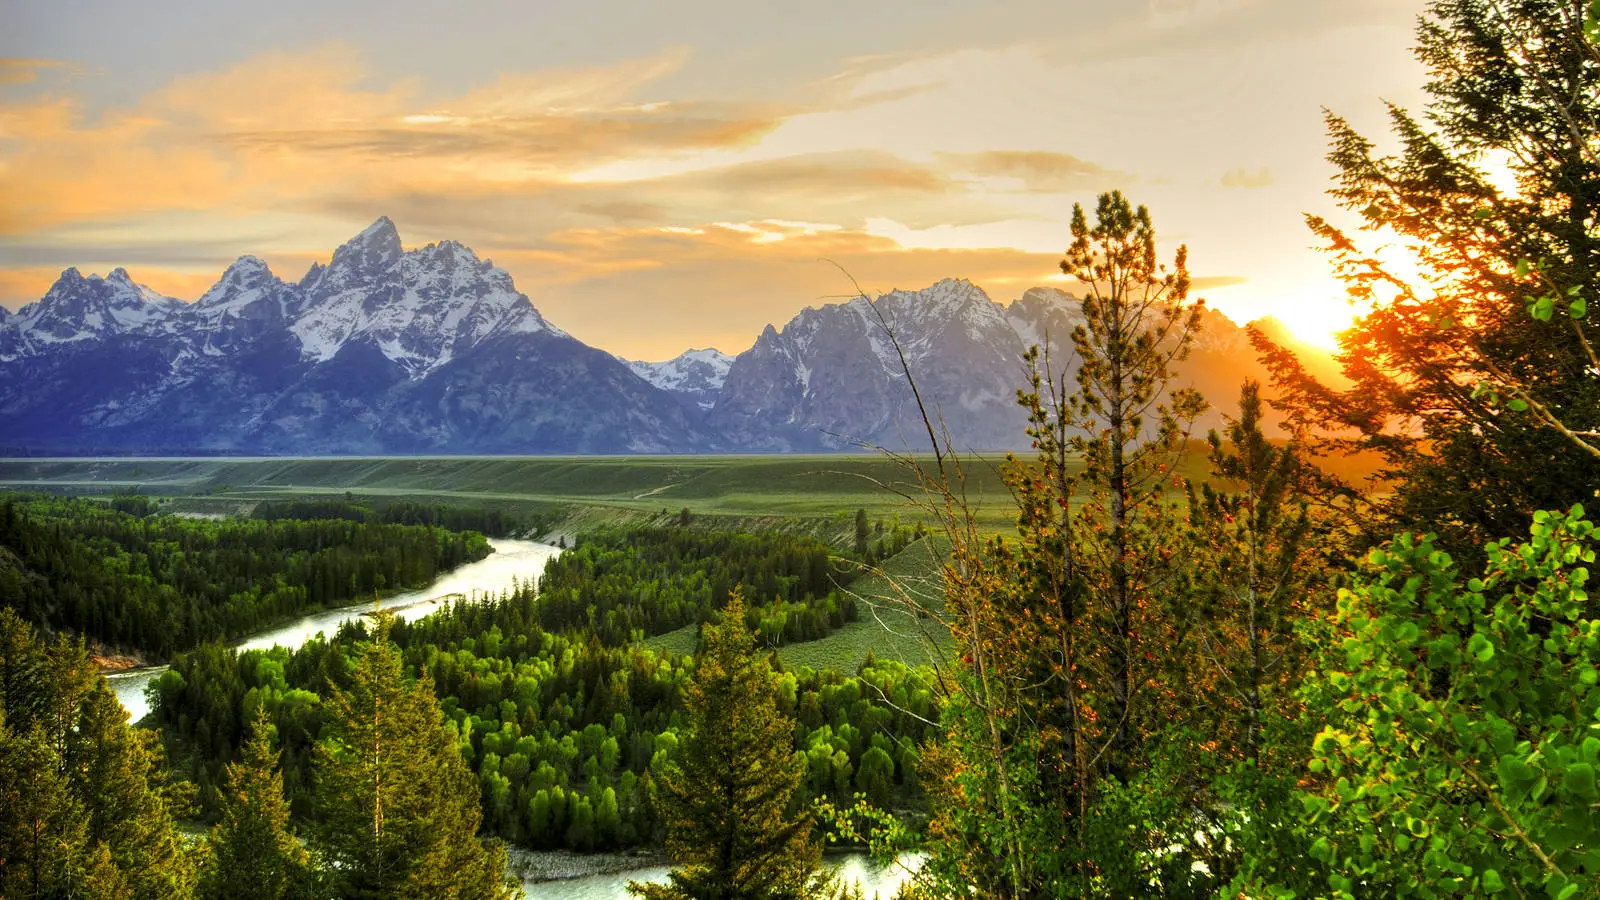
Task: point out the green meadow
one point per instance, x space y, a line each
589 491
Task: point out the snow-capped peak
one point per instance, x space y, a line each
696 375
78 308
420 307
380 238
247 274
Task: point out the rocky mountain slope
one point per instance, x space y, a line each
832 379
383 350
695 376
433 350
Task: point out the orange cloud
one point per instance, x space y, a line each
21 70
722 284
1037 170
289 130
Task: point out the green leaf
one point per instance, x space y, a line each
1578 308
1480 648
1522 268
1491 882
1542 308
1517 404
1580 781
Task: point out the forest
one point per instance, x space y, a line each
133 581
1266 683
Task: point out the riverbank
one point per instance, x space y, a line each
511 562
563 865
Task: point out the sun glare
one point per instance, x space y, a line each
1319 324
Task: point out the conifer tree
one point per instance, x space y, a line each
1255 573
120 774
397 806
1472 375
85 801
43 839
1073 662
253 852
728 802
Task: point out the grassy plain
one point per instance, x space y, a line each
595 488
818 486
884 625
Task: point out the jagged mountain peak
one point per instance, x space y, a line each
694 376
378 244
420 307
247 292
245 273
79 308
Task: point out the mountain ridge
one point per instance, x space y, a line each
433 350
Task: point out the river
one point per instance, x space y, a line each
512 561
855 868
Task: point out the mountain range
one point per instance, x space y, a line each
434 351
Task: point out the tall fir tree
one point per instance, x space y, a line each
1478 254
253 851
1255 573
88 805
397 807
1069 643
728 802
44 848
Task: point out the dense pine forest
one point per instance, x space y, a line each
1266 683
130 580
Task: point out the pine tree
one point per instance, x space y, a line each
87 804
1254 575
43 830
398 808
728 802
1072 650
253 852
1472 375
120 774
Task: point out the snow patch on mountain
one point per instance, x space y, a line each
78 309
421 307
694 375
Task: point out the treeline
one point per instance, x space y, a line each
484 520
626 584
160 584
562 730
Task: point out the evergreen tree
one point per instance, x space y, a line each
88 809
253 852
728 802
397 806
44 848
1071 649
1472 376
1255 573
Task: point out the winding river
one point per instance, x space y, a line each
511 562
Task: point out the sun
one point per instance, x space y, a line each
1317 323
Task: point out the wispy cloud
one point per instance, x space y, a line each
1038 171
22 70
1247 179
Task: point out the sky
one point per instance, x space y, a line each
666 174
